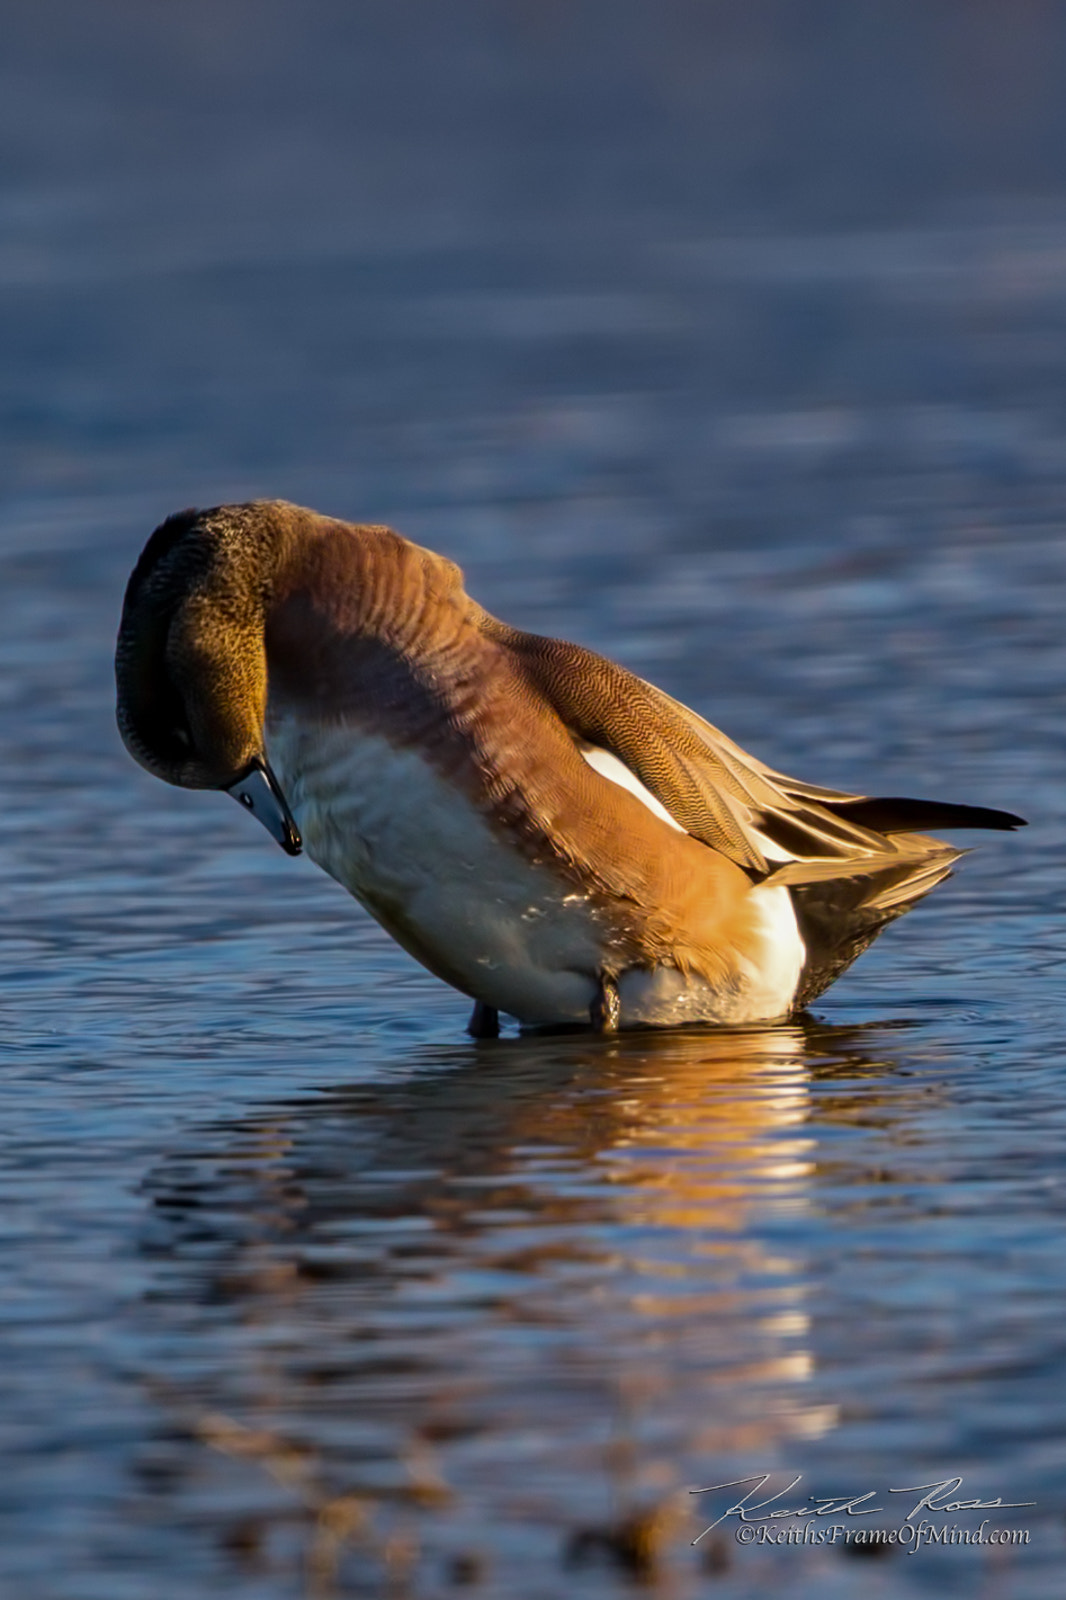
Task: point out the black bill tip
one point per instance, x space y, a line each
259 792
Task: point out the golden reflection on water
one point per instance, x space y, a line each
521 1292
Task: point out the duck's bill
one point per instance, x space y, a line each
258 792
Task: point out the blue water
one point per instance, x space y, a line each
304 1294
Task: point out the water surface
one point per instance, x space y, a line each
304 1294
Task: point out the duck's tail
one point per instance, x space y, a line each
893 814
840 914
841 907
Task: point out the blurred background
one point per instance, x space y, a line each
729 339
622 276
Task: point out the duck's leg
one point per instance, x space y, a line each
484 1021
606 1008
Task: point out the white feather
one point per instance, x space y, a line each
609 766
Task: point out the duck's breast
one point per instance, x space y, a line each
432 866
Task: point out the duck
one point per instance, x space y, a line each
548 833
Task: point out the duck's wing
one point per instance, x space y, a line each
772 825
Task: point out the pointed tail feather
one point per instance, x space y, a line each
893 814
897 862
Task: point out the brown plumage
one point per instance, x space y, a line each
448 769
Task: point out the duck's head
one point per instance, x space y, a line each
190 663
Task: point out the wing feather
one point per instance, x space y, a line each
719 793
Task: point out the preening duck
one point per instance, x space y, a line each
548 833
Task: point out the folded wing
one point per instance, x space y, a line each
774 826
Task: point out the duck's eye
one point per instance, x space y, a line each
181 738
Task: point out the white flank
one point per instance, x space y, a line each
774 978
763 992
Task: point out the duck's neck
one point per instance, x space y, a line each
343 602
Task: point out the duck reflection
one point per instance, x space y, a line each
498 1309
